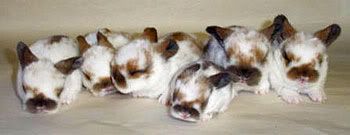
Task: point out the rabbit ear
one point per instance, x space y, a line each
280 30
219 33
102 40
150 33
168 48
24 54
329 34
189 71
83 45
67 66
220 80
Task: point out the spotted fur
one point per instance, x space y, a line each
47 76
300 62
244 53
198 91
97 49
145 65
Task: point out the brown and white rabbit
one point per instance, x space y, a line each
145 66
244 53
97 49
299 61
198 91
47 76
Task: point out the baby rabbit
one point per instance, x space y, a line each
144 66
97 49
198 91
243 52
299 61
47 75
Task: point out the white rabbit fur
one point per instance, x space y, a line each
198 91
46 75
145 66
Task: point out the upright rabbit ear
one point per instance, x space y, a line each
103 40
24 54
168 48
83 45
329 34
220 80
219 33
280 30
150 33
67 66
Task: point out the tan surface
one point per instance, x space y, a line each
248 114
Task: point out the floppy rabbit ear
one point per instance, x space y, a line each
219 33
220 80
83 45
189 71
280 30
24 54
67 66
329 34
168 48
150 33
103 40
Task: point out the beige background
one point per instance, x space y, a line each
28 20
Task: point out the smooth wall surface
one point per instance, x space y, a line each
28 20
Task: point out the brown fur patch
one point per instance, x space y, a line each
83 44
306 70
88 75
233 52
201 100
184 76
219 32
260 56
40 101
69 65
103 40
195 44
58 91
56 38
163 48
103 83
118 77
27 88
134 70
289 57
25 55
150 33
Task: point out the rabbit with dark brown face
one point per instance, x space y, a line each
244 53
299 61
198 91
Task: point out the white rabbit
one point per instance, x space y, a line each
299 61
47 75
97 49
198 91
145 66
244 53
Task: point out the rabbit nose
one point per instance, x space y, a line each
40 107
304 79
185 115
